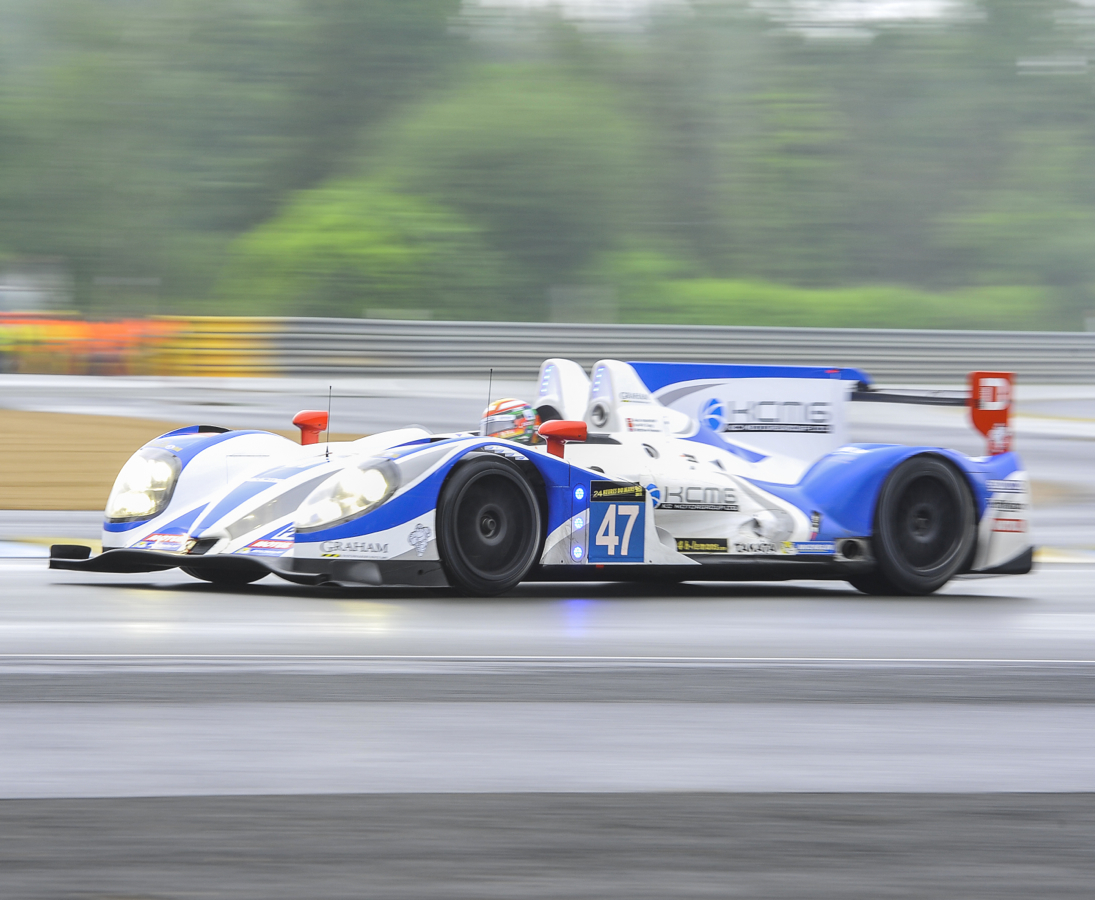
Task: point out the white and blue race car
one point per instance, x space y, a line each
667 471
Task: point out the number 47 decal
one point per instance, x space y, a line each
607 542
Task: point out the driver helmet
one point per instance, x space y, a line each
511 420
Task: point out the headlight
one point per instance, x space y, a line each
144 486
353 491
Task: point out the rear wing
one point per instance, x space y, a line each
988 397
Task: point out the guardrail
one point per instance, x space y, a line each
360 346
357 347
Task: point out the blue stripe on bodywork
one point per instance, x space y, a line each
705 435
844 485
420 499
659 375
187 446
118 527
401 508
234 498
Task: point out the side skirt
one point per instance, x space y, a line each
751 569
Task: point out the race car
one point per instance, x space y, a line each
643 471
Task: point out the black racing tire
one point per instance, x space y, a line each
925 526
871 583
489 527
225 579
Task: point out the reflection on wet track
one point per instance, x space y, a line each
158 685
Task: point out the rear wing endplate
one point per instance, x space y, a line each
988 397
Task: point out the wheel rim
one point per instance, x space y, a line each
927 520
488 517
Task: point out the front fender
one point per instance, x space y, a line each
420 495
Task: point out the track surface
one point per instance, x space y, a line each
162 738
481 847
151 685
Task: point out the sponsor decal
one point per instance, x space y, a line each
759 548
643 424
655 494
695 497
268 547
608 491
703 545
1010 526
419 538
815 524
999 486
365 549
814 548
277 543
1006 505
171 543
814 417
634 397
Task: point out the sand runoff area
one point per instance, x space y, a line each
67 461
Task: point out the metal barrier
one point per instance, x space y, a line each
209 345
363 346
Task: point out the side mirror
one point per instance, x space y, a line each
559 431
310 422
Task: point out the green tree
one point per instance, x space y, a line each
355 245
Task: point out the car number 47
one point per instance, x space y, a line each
606 534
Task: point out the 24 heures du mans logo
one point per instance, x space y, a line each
815 417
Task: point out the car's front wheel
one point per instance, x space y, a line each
488 526
924 528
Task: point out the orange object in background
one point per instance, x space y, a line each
42 345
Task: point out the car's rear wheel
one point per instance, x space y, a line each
925 528
489 528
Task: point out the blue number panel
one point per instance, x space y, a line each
617 522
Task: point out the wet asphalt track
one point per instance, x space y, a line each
155 685
162 738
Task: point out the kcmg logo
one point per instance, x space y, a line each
713 414
805 416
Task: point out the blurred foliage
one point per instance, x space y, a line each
716 162
348 243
